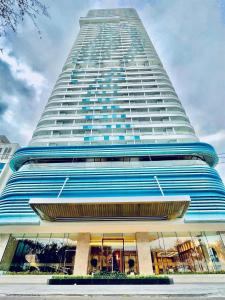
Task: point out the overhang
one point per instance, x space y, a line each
110 208
24 155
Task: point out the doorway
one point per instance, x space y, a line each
112 255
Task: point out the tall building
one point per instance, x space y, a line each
114 178
6 151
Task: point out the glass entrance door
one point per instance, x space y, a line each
112 255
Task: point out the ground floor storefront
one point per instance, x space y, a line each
129 253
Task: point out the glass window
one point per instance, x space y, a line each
214 251
130 255
113 253
48 253
164 253
6 153
190 253
156 248
181 252
200 255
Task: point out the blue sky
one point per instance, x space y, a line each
189 36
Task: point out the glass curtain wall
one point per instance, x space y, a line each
50 253
173 252
113 253
183 252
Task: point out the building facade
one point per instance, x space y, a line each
114 178
6 152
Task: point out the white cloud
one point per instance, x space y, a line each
188 36
214 138
20 70
8 117
22 93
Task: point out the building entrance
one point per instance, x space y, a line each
113 255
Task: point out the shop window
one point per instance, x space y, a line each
47 253
213 250
165 257
185 252
191 253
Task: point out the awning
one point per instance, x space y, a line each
110 208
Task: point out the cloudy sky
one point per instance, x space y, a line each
189 36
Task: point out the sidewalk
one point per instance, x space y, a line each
201 290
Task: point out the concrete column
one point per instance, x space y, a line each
4 238
82 253
8 246
223 237
144 254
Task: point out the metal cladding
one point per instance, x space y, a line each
39 174
203 150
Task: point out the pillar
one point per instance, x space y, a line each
6 253
82 254
4 238
144 254
223 237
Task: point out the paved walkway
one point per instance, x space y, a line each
116 297
181 290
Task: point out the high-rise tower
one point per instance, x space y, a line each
113 89
114 144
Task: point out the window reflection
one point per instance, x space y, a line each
200 254
173 252
130 256
48 253
164 253
113 253
214 249
187 252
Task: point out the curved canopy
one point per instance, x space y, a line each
202 150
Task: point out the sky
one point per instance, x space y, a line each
189 36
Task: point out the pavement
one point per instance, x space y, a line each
149 297
108 292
